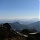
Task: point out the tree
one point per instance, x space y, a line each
6 25
25 31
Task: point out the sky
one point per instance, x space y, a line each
39 9
19 9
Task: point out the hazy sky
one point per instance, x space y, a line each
19 9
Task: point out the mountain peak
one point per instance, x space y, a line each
16 23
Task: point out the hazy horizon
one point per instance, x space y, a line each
19 9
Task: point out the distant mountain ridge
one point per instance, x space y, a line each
22 21
18 26
35 25
26 22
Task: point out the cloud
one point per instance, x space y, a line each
20 17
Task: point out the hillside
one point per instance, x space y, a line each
18 26
35 25
6 33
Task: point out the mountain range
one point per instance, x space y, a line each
18 26
35 25
22 21
23 24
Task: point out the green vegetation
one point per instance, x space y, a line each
25 31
